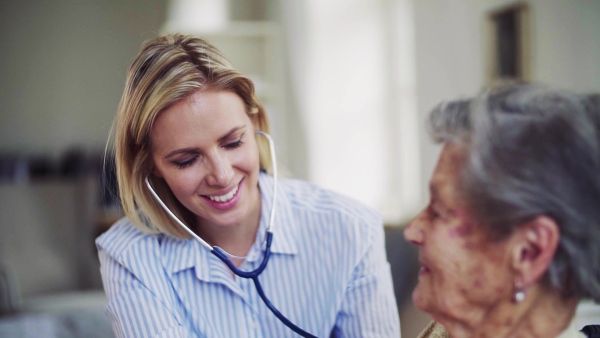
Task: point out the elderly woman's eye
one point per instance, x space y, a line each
433 214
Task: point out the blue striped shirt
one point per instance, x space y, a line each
328 274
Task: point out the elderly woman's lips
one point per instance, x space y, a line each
423 270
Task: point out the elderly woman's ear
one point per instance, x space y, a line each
535 244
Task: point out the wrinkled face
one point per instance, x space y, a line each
463 275
204 147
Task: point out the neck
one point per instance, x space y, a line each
543 313
236 239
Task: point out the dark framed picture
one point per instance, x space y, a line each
508 43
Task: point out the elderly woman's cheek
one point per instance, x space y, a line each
476 260
463 234
463 229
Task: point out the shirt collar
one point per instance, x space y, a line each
180 254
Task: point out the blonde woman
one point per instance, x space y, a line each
190 130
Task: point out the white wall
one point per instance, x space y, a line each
352 72
62 69
63 63
565 42
345 92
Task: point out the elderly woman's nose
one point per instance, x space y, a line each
413 232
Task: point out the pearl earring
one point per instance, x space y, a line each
519 295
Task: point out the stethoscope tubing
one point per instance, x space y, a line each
253 275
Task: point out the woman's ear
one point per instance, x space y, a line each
535 245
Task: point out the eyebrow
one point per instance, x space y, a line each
221 139
434 194
231 132
450 209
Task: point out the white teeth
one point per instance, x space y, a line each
225 197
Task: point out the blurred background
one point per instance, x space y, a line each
346 83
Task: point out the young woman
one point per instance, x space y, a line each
187 130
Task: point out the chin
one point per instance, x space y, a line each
423 301
419 300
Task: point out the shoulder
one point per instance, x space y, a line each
311 197
315 209
123 236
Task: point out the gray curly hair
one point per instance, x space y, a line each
533 151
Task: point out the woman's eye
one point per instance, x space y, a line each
433 214
233 145
185 163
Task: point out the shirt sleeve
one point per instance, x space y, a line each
369 307
135 311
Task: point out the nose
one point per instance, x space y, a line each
220 170
413 232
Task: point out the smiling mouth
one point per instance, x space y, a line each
424 269
224 198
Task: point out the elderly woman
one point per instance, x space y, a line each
509 243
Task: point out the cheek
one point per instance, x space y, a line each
252 158
484 277
457 248
464 266
463 229
465 232
486 287
181 182
473 287
468 272
247 159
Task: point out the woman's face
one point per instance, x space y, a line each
204 147
463 275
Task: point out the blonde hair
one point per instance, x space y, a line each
167 69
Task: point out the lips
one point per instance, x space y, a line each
424 269
226 199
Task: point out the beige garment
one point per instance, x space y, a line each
434 330
437 330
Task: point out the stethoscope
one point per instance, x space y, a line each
222 255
